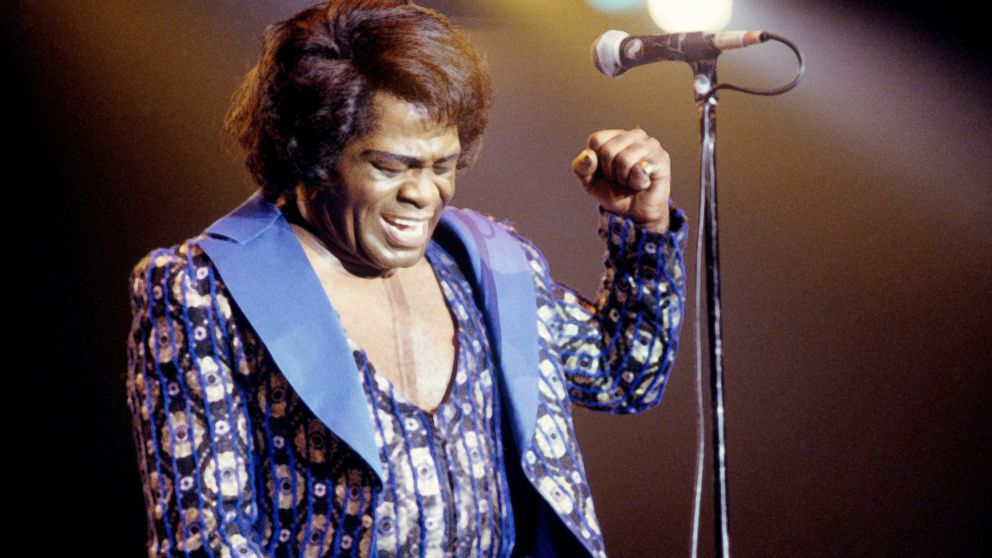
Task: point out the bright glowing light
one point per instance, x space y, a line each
616 5
675 16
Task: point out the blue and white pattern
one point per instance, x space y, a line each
445 490
233 462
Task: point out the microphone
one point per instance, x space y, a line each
615 52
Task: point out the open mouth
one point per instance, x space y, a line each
404 232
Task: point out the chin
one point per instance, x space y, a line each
391 258
384 254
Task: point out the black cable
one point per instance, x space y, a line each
707 100
768 92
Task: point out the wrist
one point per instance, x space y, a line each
659 227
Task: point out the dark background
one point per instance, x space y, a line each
856 219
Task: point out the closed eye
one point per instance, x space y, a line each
393 164
386 169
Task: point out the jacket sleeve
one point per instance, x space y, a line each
190 423
617 353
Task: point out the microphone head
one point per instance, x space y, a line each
606 53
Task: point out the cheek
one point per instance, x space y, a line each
366 212
446 187
367 196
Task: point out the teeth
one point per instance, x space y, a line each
406 222
405 232
416 227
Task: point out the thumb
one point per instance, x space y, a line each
584 166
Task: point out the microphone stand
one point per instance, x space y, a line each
613 54
704 85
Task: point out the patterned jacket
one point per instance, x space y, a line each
249 412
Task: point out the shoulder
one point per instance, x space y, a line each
498 238
178 276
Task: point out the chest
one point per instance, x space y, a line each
406 331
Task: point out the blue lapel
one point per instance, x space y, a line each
271 280
504 289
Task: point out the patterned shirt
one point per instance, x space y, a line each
233 462
445 490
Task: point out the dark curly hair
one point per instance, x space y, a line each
311 92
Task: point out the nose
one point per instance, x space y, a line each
420 189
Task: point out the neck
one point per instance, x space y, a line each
294 213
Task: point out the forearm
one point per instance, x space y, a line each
618 353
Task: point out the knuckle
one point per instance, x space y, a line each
624 161
596 139
609 152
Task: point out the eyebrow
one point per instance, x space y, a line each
406 160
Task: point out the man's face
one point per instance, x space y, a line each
393 185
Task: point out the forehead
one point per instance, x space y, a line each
407 128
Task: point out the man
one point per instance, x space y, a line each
344 365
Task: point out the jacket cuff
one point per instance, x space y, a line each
630 245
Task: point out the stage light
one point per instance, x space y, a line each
675 16
616 5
